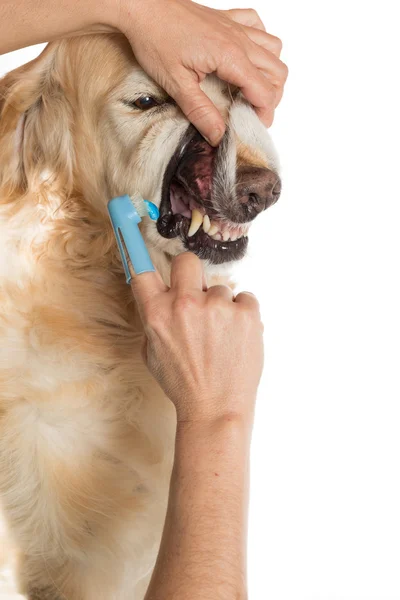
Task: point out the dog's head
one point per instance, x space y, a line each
84 121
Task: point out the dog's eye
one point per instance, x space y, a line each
145 102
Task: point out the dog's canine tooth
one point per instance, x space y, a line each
197 220
213 229
234 236
226 235
206 223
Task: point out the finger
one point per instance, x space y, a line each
238 69
187 272
264 39
271 65
198 108
247 299
273 69
221 291
246 16
278 91
145 286
279 94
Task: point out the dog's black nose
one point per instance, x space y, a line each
257 189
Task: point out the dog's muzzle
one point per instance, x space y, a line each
209 208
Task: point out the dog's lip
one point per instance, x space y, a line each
216 251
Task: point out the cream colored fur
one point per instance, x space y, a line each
86 436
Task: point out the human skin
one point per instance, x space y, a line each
205 348
231 43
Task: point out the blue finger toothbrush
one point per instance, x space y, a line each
126 213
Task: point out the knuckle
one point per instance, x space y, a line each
200 111
218 305
259 80
285 71
250 11
186 302
267 99
221 288
278 45
253 12
281 76
232 50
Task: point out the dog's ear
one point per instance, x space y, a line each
35 125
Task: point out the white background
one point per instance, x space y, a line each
325 496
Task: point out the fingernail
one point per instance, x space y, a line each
215 138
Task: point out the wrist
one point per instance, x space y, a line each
230 434
109 13
126 15
205 414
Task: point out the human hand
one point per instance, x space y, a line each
203 346
179 42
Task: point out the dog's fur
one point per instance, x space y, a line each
86 436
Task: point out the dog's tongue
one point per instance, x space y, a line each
178 206
182 203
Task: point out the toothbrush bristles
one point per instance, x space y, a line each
139 204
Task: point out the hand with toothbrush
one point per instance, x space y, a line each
204 346
191 331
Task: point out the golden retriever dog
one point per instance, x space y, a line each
86 435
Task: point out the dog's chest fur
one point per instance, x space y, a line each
86 435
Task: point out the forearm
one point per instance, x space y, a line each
203 550
26 22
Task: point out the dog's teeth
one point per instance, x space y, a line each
228 234
206 223
197 220
213 230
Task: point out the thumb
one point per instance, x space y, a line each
199 109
